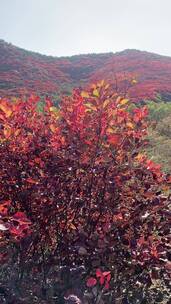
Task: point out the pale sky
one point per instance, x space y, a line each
68 27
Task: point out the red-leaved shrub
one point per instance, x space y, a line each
77 193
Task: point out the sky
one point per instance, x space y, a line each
68 27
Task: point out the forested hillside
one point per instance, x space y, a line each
23 72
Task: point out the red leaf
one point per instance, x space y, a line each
154 252
19 215
16 232
169 180
21 218
106 273
114 139
4 207
91 282
108 278
98 273
118 217
107 285
31 180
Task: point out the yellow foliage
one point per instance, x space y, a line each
106 102
124 101
96 92
7 132
6 110
84 94
90 106
53 128
130 125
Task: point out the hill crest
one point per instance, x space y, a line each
23 71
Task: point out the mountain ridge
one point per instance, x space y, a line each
23 71
131 50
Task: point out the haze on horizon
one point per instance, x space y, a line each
69 27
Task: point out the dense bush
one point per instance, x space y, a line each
82 210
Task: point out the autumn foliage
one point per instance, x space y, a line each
24 72
77 193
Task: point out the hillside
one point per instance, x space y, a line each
22 71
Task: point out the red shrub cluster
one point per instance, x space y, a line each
77 192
